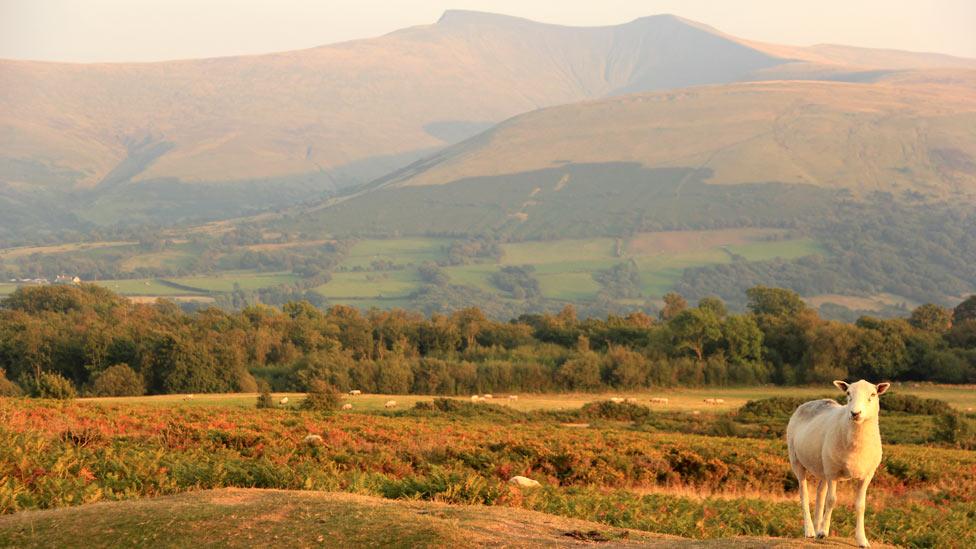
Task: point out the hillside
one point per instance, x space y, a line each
737 152
113 142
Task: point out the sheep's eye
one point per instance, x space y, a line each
874 394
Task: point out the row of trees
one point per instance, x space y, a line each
103 344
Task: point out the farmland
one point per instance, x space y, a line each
616 472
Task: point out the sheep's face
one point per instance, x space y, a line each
862 399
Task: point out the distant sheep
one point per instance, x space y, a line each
719 401
188 397
828 441
512 397
631 400
695 412
488 395
710 401
313 440
475 398
355 392
390 404
659 400
347 406
523 482
283 401
616 400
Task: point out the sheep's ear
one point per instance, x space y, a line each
840 385
882 387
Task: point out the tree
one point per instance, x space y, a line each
118 380
774 301
581 373
673 304
965 310
264 395
931 318
52 385
8 388
694 330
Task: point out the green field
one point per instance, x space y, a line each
6 289
565 268
179 255
225 282
142 287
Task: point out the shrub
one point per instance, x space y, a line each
618 411
118 380
466 409
264 394
911 404
321 397
51 385
8 388
953 428
774 406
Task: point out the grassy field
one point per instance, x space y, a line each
235 517
615 472
142 287
962 397
224 282
564 268
92 247
179 255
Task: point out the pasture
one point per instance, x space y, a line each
619 473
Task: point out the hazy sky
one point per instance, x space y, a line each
148 30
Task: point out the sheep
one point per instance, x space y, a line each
631 400
523 482
283 401
355 392
659 400
832 442
709 401
313 440
488 395
616 400
390 404
188 397
512 397
475 398
347 406
719 401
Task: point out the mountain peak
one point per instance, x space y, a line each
467 17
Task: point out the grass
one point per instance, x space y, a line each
371 285
179 255
224 282
11 253
679 399
142 287
7 289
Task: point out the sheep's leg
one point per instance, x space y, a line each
828 508
821 497
860 503
808 529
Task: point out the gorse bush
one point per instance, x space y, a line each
52 385
264 394
322 397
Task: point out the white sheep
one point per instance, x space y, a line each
830 442
283 401
313 440
347 406
719 401
355 392
475 398
390 404
488 395
523 482
659 400
709 401
188 397
616 400
512 397
631 400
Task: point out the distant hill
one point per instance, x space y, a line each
124 142
762 153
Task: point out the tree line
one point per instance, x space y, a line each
64 340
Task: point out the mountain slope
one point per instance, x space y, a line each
285 127
738 151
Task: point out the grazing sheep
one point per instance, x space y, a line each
313 440
390 404
831 442
616 400
523 482
719 401
283 401
709 401
355 392
631 400
695 412
659 400
347 406
188 397
488 395
475 398
512 397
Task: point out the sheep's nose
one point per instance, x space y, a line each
855 415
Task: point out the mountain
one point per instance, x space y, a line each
212 138
702 156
